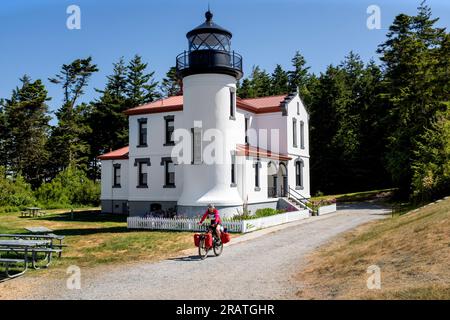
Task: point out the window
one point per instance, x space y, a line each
169 172
294 132
142 165
232 105
196 145
170 120
298 108
233 170
257 166
142 139
246 129
299 174
116 178
302 135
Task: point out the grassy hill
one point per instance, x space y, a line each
412 251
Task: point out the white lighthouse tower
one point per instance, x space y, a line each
209 70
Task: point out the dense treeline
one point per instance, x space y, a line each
371 126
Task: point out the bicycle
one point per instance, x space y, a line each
217 244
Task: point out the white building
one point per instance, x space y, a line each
208 145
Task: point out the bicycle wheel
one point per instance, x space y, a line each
202 251
218 247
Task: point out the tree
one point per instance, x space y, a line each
299 76
279 81
3 135
431 167
171 85
108 109
67 143
244 90
141 87
25 130
414 87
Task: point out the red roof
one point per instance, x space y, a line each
118 154
246 150
169 104
175 103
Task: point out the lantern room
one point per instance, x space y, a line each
209 51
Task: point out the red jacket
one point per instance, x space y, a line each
214 216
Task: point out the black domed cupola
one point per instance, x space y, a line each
209 51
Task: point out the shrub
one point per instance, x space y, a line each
70 187
15 193
260 213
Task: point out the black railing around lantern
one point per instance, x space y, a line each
198 61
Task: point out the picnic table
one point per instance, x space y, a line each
24 247
32 212
39 229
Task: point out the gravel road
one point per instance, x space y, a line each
259 268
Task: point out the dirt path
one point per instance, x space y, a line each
261 268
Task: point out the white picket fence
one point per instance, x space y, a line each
151 223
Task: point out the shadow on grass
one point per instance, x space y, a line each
90 231
84 216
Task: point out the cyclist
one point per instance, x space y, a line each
214 216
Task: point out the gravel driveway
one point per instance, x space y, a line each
260 268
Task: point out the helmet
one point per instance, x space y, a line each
210 206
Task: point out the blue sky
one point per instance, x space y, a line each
34 38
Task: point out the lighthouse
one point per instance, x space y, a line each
209 70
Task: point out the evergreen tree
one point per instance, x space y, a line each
171 85
299 76
412 56
67 143
3 135
141 87
25 130
108 109
244 90
261 82
279 81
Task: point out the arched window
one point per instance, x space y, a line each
299 173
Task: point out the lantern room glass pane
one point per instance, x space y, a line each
209 41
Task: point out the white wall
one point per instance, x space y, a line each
297 152
107 174
207 99
156 137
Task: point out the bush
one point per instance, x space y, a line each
266 212
260 213
70 187
15 193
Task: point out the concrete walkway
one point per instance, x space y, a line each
259 265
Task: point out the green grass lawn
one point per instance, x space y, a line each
356 196
94 238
